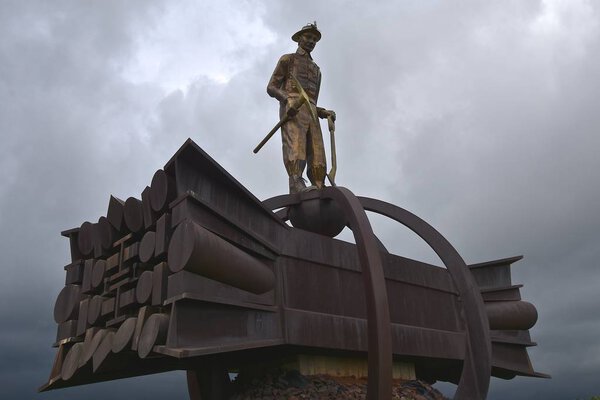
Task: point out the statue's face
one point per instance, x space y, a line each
308 41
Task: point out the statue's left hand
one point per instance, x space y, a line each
327 113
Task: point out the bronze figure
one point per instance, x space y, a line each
297 74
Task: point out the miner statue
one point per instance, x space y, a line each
295 83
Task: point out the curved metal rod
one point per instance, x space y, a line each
378 313
283 200
475 378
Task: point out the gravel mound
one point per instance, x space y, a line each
291 385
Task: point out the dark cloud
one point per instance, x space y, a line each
480 118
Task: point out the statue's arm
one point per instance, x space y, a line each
318 90
277 80
323 112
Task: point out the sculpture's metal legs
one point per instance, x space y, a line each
208 383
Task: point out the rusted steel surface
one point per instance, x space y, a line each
95 309
162 235
154 333
197 250
85 238
160 276
511 315
106 233
74 273
148 213
124 335
143 291
200 272
103 351
98 271
133 214
163 191
71 361
67 304
115 213
147 246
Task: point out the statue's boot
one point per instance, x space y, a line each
316 174
297 184
294 170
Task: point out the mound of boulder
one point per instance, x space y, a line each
291 385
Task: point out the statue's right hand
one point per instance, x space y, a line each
293 105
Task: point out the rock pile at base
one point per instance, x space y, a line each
291 385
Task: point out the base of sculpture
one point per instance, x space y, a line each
342 367
291 384
302 376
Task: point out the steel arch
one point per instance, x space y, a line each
475 377
378 313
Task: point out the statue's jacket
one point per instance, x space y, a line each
294 133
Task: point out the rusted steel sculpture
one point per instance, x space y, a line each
199 275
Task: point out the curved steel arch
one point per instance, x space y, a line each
378 312
475 377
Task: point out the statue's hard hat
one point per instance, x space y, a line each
307 28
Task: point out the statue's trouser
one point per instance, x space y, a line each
302 143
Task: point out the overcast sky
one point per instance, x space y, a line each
480 117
